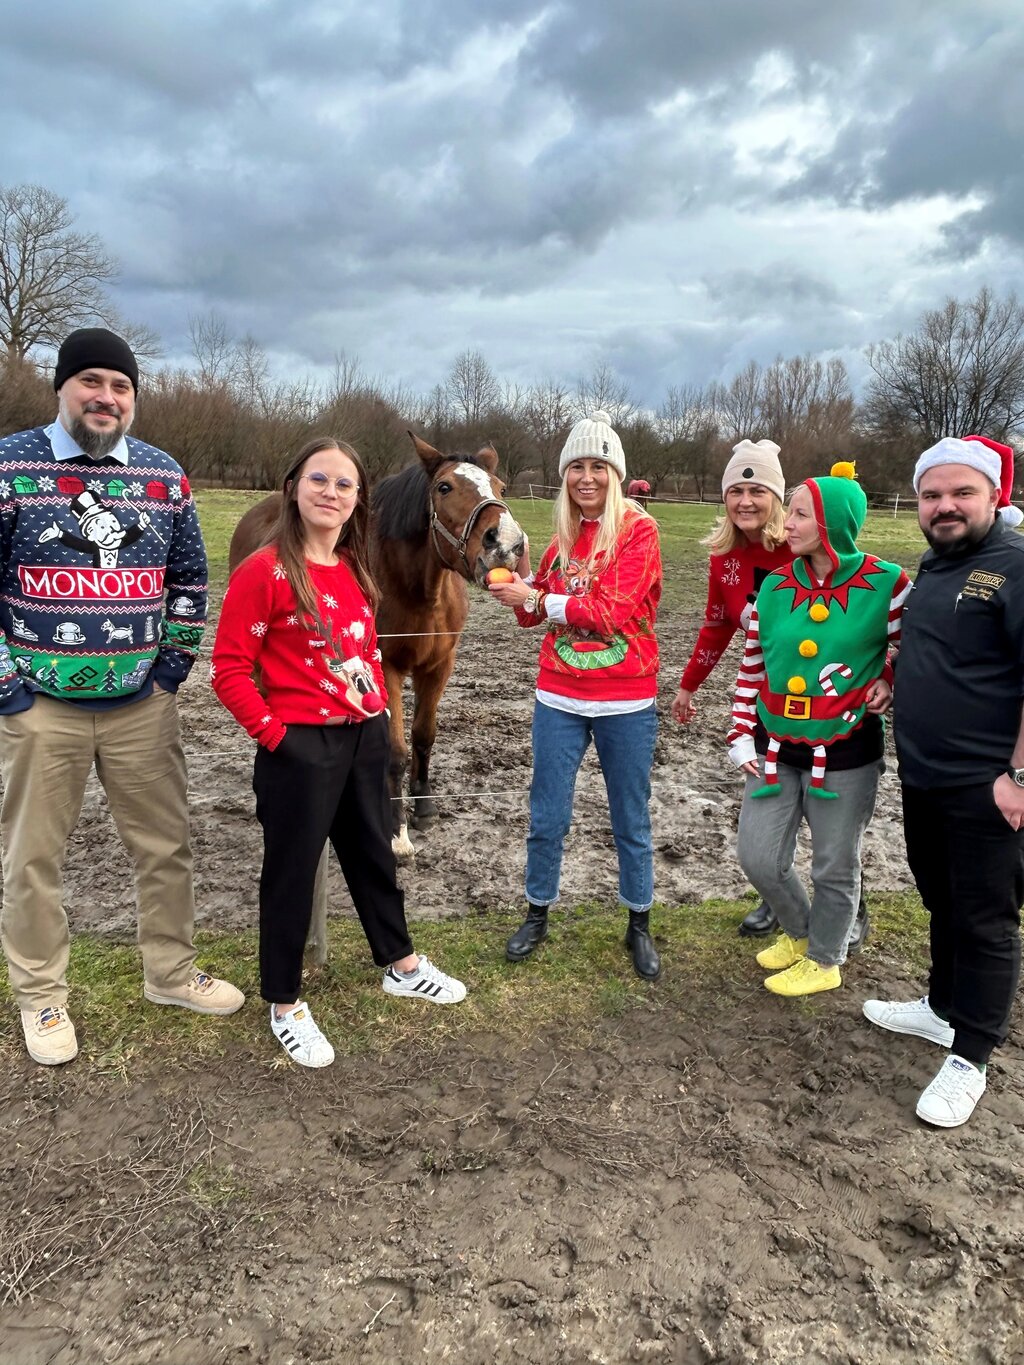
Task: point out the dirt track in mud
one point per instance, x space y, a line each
716 1178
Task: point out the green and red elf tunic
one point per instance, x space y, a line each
813 648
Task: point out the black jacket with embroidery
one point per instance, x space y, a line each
960 671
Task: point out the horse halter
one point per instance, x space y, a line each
467 530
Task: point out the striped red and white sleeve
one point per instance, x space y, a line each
748 684
901 591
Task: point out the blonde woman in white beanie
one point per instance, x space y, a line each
747 544
596 593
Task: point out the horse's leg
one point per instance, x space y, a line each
429 685
316 939
400 843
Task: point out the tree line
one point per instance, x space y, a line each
231 421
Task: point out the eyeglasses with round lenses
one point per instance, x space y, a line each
345 487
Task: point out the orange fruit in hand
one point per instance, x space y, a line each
501 576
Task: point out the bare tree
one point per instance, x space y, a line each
472 388
548 418
687 423
738 404
252 374
213 349
51 277
603 390
509 432
807 407
960 373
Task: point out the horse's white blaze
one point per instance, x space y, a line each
510 533
401 846
478 477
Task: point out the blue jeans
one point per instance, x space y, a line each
625 750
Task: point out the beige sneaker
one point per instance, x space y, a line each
49 1035
203 993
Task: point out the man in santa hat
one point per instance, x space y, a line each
960 745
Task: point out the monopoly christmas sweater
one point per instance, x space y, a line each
103 580
733 581
309 676
606 650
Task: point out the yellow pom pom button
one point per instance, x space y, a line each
819 612
808 649
796 685
844 469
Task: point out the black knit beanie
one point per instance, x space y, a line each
95 347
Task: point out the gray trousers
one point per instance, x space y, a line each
767 844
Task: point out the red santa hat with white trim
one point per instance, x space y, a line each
988 457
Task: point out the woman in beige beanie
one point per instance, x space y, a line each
747 544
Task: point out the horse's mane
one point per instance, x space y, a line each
400 504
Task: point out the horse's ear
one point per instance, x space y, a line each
431 458
487 456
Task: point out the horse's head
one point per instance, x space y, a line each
472 529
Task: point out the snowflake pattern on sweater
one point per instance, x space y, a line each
306 679
733 580
103 575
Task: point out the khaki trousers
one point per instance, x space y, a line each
46 754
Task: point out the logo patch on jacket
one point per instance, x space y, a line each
982 585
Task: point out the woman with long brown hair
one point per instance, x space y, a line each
301 610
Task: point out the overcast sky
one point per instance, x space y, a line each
672 186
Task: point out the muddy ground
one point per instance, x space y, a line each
718 1177
481 773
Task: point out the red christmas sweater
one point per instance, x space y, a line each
607 649
731 583
307 679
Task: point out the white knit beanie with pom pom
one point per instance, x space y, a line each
593 439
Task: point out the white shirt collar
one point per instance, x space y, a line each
65 447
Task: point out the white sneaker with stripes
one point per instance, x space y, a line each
426 983
298 1034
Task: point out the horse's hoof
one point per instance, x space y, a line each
401 846
424 812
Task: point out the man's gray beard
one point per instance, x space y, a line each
95 444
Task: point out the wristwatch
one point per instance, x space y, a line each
530 605
1017 774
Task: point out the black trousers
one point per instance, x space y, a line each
969 868
325 781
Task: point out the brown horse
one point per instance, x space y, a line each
435 526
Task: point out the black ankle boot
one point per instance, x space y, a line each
760 921
533 930
646 961
860 929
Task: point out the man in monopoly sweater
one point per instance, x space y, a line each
97 532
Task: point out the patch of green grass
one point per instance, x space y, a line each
220 510
579 976
215 1187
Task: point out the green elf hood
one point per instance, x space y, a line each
840 506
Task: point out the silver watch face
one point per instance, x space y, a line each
1018 775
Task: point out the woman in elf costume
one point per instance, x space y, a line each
807 729
595 592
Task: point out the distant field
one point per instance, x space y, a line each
683 527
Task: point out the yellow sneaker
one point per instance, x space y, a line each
805 977
783 953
